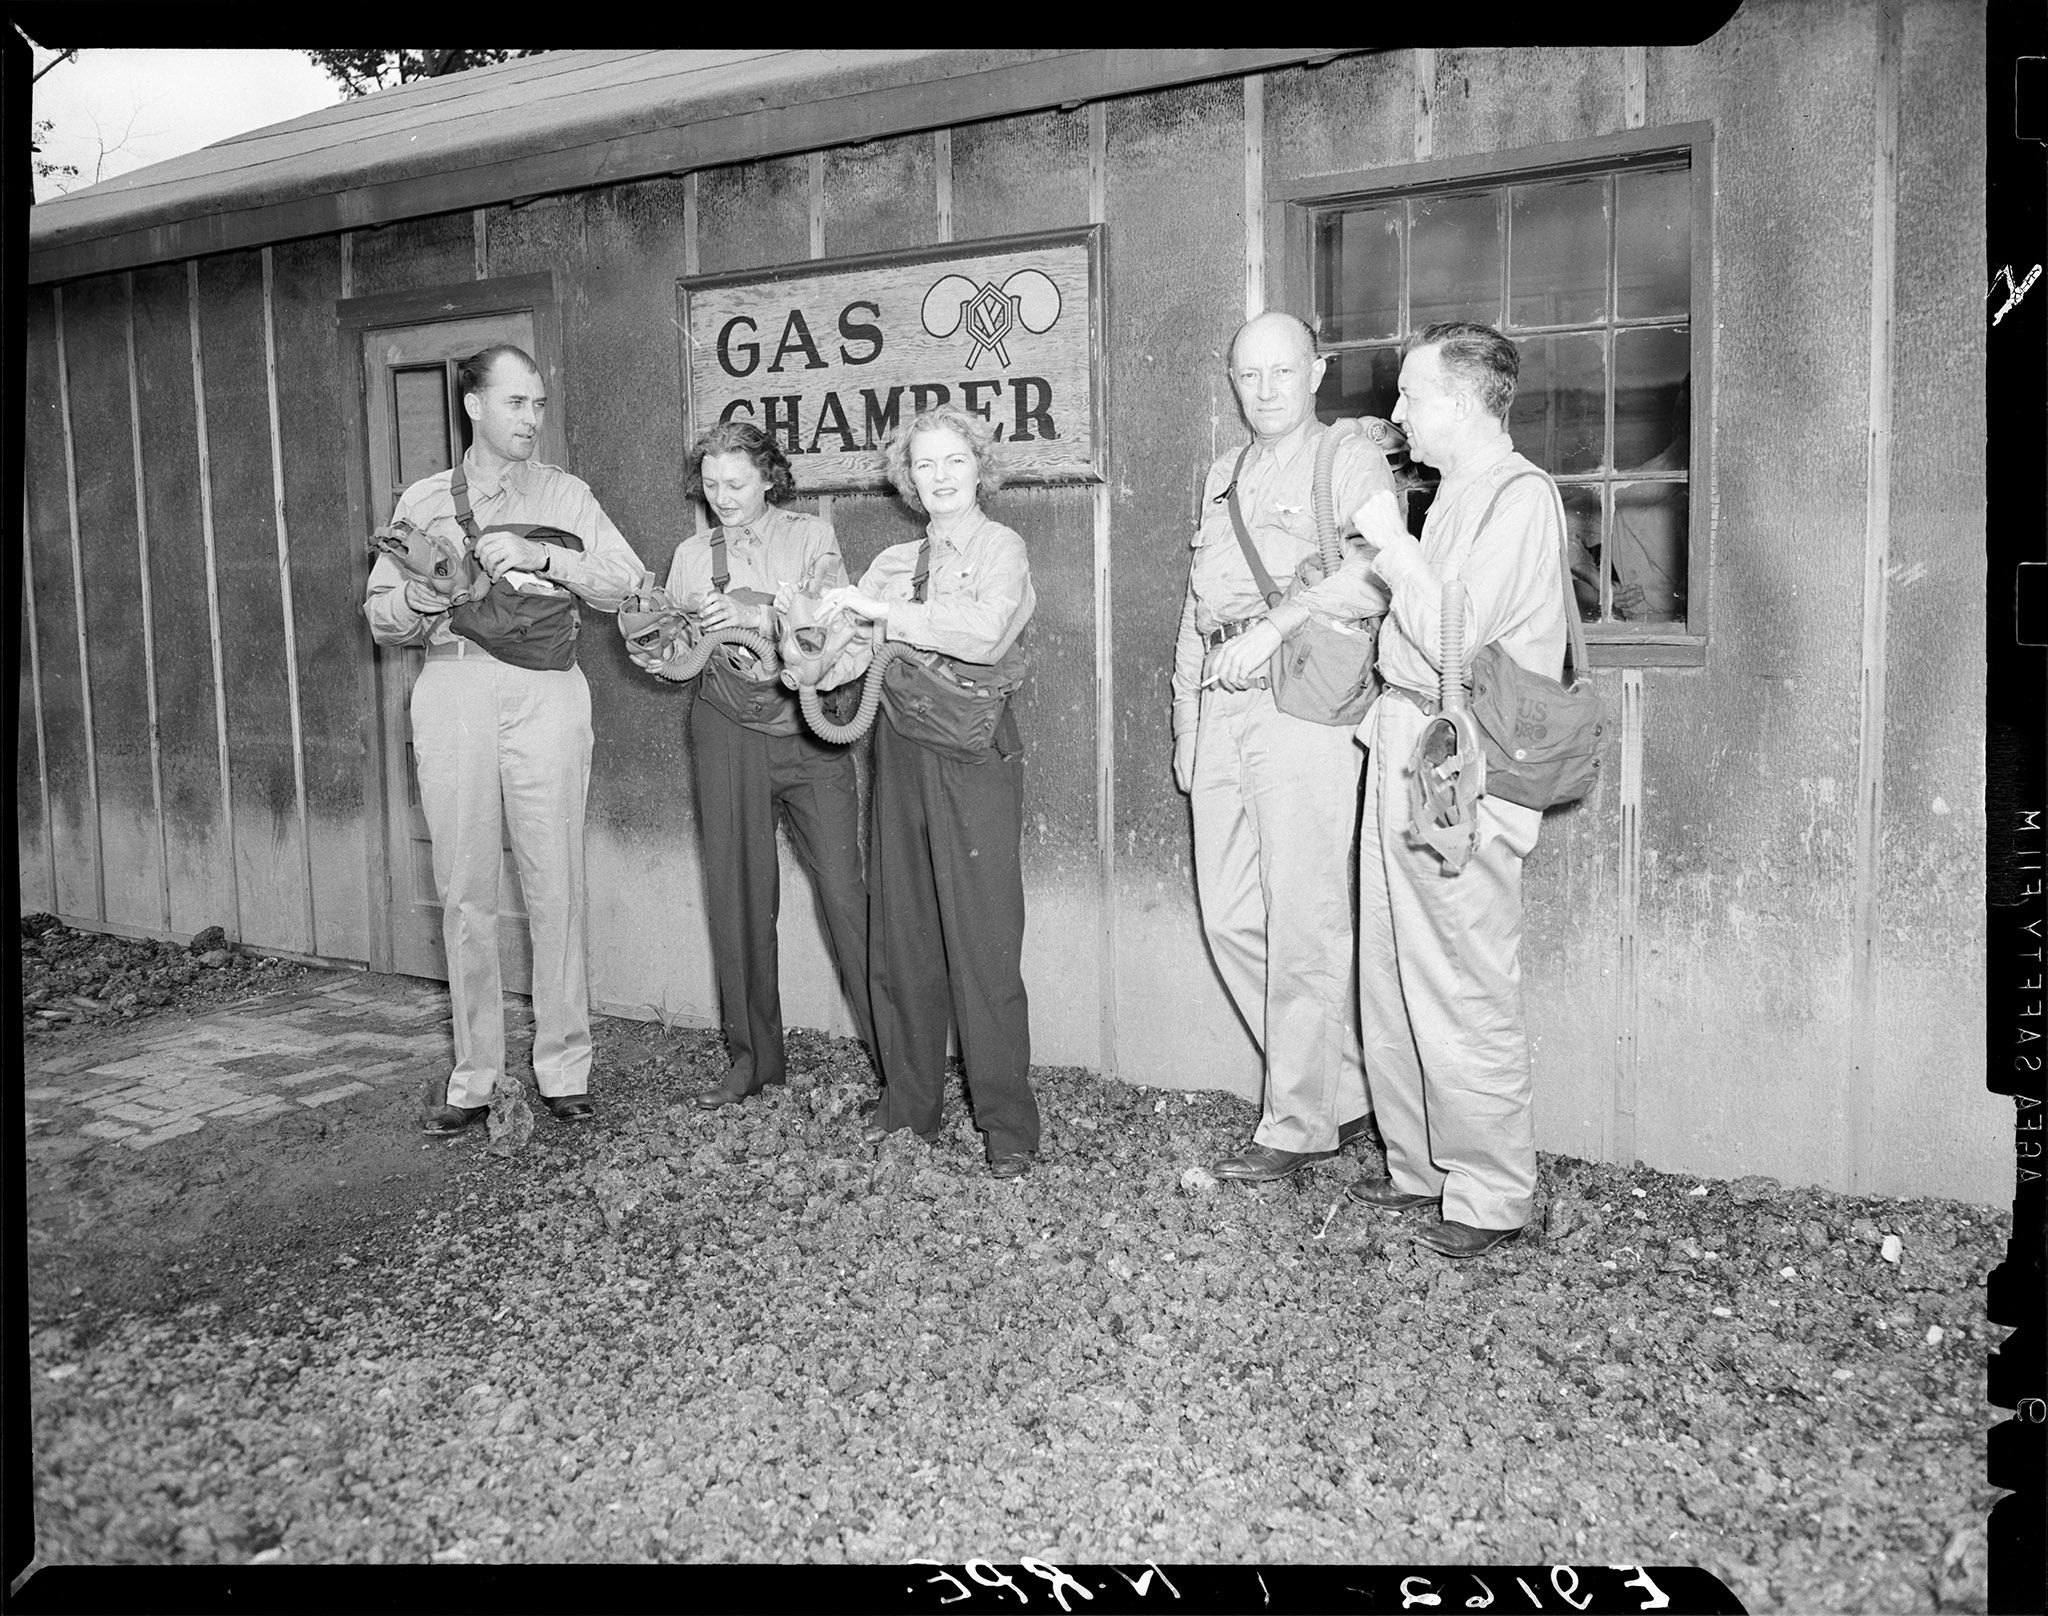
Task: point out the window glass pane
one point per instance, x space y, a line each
1454 260
1582 523
1359 381
1559 417
1647 552
1653 399
1653 249
421 414
1358 262
1557 260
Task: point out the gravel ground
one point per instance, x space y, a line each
744 1336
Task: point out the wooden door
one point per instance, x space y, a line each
415 426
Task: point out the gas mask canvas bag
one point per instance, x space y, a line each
1541 737
958 709
528 631
1325 670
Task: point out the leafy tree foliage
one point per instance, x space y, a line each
362 72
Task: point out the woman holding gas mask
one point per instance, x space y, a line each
754 754
945 881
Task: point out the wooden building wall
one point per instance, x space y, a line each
1758 948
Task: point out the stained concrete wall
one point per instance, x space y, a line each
1746 1003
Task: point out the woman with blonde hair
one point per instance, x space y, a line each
945 879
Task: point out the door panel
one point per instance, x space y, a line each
409 379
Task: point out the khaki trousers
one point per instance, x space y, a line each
1440 993
502 748
1275 802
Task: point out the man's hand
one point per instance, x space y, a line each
500 552
852 600
427 602
1184 761
722 611
648 661
1234 664
1379 522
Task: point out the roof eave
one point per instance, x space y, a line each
1069 79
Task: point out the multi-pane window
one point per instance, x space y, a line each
1589 270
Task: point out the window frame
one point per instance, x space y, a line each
1294 208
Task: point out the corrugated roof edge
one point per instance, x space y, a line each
646 114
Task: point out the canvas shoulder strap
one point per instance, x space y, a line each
1260 575
922 577
1575 639
721 574
458 490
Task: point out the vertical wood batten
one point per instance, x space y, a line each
284 586
1105 674
942 181
92 768
1860 1078
700 522
35 685
817 175
1623 1143
220 686
348 264
480 232
1425 103
1254 195
156 752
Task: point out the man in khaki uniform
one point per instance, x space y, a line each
1439 966
1274 796
500 746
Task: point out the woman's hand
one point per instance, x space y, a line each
722 611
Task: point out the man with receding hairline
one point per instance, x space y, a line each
1274 796
502 746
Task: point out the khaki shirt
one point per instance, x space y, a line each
783 547
1276 493
1515 593
976 600
525 491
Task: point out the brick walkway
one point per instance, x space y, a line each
243 1063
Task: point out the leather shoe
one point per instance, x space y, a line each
1358 1128
440 1119
1014 1165
1455 1239
1262 1164
570 1107
1380 1192
713 1099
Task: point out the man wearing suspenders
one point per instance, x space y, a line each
1274 796
501 727
1439 966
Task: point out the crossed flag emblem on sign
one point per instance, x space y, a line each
1028 299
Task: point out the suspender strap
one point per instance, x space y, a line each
720 576
1575 639
1260 575
458 490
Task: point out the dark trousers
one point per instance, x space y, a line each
743 776
946 936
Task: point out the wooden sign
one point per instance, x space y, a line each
827 356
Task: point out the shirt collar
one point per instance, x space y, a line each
1482 463
958 542
756 531
511 477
